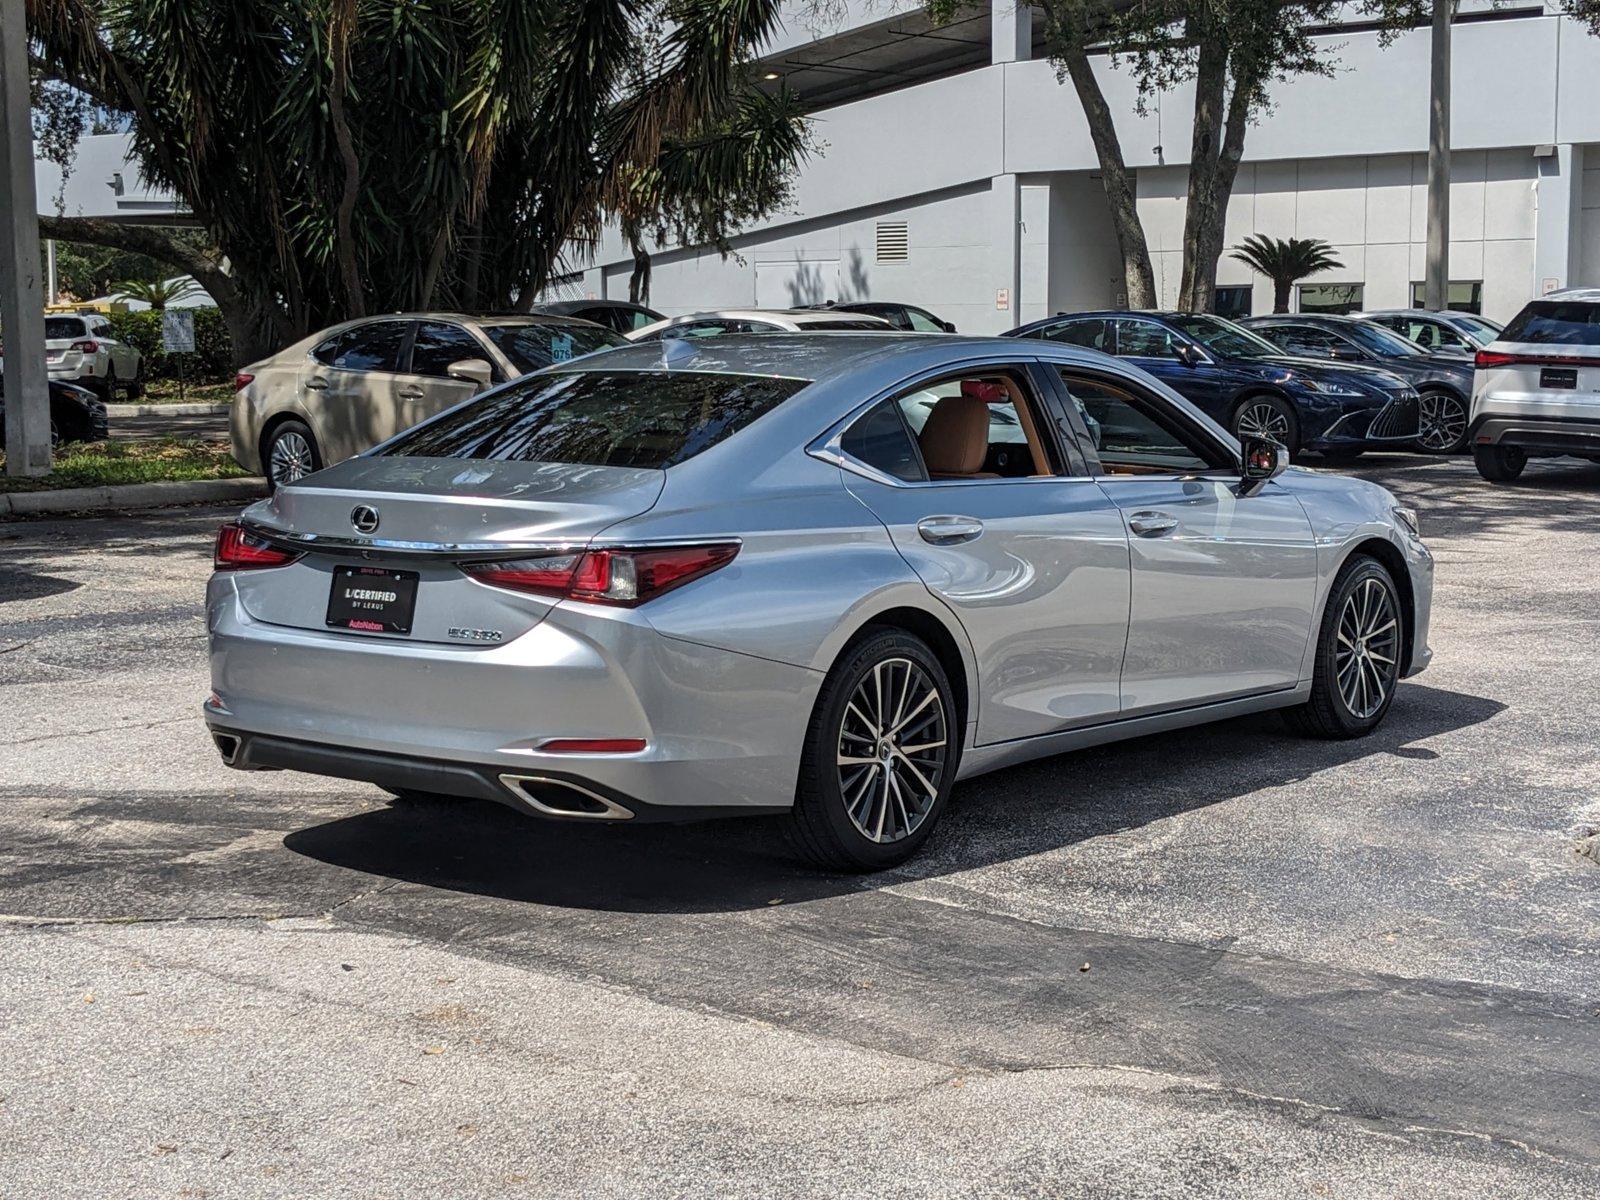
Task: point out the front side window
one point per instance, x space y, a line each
533 347
921 322
1145 339
880 439
1226 338
653 419
1556 323
836 324
1306 339
1375 339
1130 438
375 347
439 344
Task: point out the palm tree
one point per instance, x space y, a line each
1285 262
156 293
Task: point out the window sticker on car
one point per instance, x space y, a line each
561 347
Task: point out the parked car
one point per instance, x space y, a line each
76 414
788 575
757 320
1443 381
619 316
906 317
81 348
1247 384
1437 332
354 385
1537 389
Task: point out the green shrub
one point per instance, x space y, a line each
211 362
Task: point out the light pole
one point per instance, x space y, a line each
1436 284
21 301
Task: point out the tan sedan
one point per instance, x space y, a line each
349 387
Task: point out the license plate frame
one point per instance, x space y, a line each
387 602
1564 378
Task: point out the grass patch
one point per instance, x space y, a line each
102 464
165 391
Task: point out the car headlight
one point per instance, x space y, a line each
1408 518
1331 389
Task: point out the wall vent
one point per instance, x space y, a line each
894 241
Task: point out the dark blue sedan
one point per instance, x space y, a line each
1249 385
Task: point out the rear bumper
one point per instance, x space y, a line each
1538 435
721 729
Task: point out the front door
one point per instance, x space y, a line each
1156 348
1032 561
353 398
1224 586
428 388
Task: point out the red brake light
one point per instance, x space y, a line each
240 550
242 380
1500 358
622 576
1492 358
88 347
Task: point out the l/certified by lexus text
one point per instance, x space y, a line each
823 575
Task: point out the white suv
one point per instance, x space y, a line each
80 348
1536 391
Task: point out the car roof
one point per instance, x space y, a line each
1580 294
1315 318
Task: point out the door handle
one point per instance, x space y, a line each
316 385
949 531
411 393
1152 524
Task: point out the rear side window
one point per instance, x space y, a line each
840 323
880 439
1093 334
534 347
650 419
63 327
1557 323
375 347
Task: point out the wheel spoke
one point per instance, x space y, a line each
895 712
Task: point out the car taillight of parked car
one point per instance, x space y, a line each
242 380
240 550
623 576
88 346
1485 359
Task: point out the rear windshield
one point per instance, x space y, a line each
63 327
600 418
533 347
1557 322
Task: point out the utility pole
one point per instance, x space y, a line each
21 302
1436 286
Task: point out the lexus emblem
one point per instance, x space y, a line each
365 518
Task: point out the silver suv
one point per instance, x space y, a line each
1536 390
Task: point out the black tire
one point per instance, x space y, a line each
1453 412
136 384
108 386
820 824
1499 464
1327 713
1285 416
279 437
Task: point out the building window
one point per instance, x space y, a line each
1463 295
1331 297
1232 302
894 241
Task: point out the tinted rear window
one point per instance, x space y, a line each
841 323
600 418
1557 322
63 327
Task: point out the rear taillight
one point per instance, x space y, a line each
242 380
88 347
240 550
618 575
1492 358
1500 358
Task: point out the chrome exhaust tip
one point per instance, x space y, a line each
562 798
227 745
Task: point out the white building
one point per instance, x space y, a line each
956 172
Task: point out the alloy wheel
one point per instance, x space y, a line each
1263 420
891 750
291 458
1367 654
1442 421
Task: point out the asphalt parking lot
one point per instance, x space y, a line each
1222 962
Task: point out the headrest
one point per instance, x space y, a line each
955 438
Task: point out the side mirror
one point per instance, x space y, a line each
1346 354
1263 460
1189 354
949 326
471 370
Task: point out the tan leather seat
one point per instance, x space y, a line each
955 438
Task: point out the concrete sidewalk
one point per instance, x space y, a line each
131 495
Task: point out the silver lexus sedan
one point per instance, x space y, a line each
824 575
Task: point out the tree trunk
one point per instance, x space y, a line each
1118 182
1203 239
639 281
253 326
1201 210
1280 294
344 216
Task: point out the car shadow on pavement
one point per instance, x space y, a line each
480 848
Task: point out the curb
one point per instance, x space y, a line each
131 495
166 410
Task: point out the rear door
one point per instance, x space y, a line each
1032 560
1223 585
427 387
